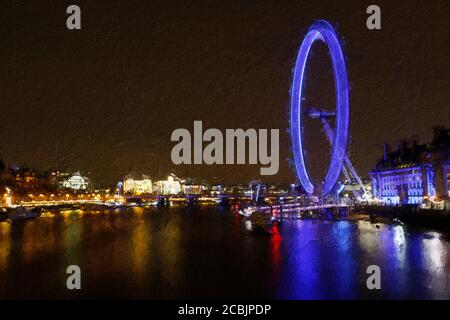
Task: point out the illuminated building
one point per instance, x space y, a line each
136 187
76 182
351 188
8 197
22 177
194 189
169 186
119 188
414 172
216 190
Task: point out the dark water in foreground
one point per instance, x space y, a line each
207 253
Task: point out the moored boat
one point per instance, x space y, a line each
20 213
247 212
3 214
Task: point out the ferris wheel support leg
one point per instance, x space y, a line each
348 163
347 176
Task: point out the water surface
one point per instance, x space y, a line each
207 252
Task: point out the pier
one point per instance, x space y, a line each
293 211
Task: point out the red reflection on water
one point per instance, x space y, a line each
275 242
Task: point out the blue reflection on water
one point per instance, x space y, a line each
320 264
328 260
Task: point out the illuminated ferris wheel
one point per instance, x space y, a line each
322 31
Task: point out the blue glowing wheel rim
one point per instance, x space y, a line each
321 30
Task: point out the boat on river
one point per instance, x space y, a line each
3 214
247 212
21 213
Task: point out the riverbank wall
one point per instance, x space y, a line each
428 218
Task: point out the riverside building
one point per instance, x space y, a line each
414 172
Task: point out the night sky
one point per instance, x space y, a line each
106 99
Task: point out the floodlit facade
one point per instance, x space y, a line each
76 182
7 197
169 186
405 185
414 172
137 186
194 189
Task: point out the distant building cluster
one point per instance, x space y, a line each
411 174
414 173
173 185
25 184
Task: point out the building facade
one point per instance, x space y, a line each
169 186
76 182
137 186
413 172
196 189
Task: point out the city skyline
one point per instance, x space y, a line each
99 101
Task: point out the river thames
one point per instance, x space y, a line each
207 252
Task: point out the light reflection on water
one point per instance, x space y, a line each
209 253
5 240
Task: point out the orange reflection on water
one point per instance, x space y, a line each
5 245
170 251
138 210
71 237
140 248
38 236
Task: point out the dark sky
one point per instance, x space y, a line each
105 99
